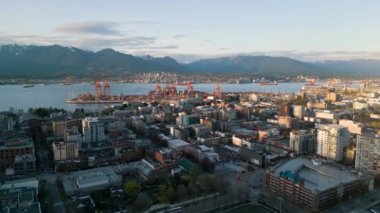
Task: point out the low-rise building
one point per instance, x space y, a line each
353 127
177 144
65 150
285 121
11 147
311 183
24 164
86 181
19 196
167 157
360 105
326 115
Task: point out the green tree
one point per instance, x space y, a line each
194 172
131 189
142 202
171 194
181 192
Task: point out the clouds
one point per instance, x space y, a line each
307 56
312 56
95 35
92 28
179 36
143 39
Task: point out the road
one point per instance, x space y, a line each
54 195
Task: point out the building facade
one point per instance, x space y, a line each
311 184
302 142
93 130
332 139
65 150
12 148
368 153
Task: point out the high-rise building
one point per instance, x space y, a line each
65 150
368 153
185 120
93 130
298 111
302 141
332 139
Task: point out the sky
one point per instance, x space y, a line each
308 30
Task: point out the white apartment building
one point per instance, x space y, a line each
332 139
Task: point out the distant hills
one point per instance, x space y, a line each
259 65
58 61
369 67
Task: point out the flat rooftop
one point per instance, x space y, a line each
87 179
316 177
178 142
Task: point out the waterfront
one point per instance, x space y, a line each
55 95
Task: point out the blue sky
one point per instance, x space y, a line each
186 30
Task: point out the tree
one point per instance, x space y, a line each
131 189
194 173
142 202
207 165
181 192
171 194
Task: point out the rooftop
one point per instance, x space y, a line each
15 142
178 142
87 179
25 158
316 177
14 198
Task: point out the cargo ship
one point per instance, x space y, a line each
274 83
28 85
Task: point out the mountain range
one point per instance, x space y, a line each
58 61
